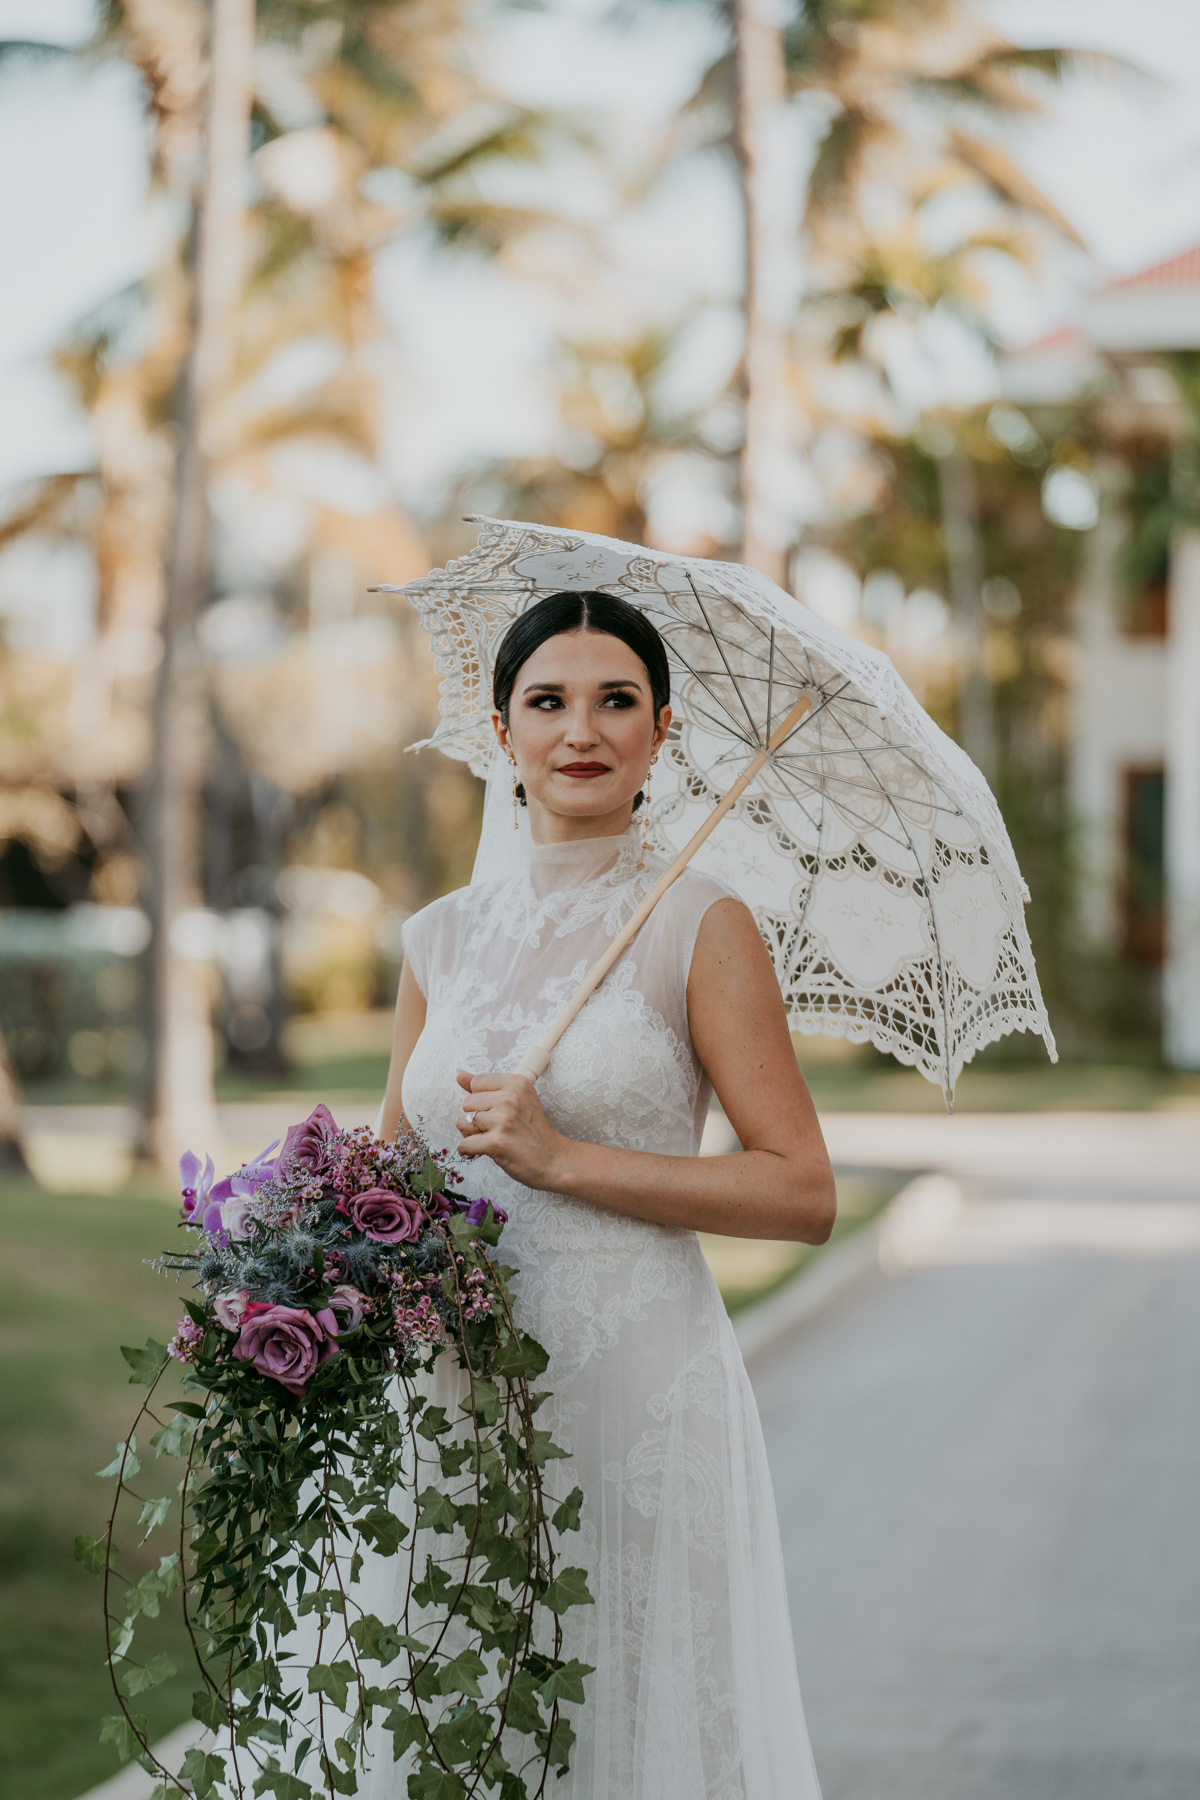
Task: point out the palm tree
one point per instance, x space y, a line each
183 1109
908 91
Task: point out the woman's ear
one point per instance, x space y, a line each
660 730
501 731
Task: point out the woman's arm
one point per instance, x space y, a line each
780 1186
407 1028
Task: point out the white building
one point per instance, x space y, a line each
1135 735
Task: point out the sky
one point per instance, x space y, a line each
1120 157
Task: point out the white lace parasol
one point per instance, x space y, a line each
869 848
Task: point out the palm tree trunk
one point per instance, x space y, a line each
959 500
12 1156
182 1104
761 94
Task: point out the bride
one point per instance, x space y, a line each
694 1695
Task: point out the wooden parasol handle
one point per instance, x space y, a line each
537 1061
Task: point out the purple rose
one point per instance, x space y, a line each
440 1206
384 1217
196 1182
311 1142
349 1305
286 1343
477 1212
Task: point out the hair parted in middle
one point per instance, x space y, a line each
579 609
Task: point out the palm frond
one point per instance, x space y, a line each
1002 174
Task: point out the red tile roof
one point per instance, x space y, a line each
1177 271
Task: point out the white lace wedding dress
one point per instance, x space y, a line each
695 1694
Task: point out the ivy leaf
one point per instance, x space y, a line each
543 1449
124 1462
382 1643
556 1745
436 1511
332 1679
210 1709
282 1785
309 1532
153 1514
205 1772
323 1601
483 1401
568 1589
127 1735
433 1423
454 1458
383 1530
432 1783
521 1355
430 1180
145 1363
159 1669
406 1728
523 1712
250 1680
462 1736
566 1682
173 1439
461 1674
566 1516
94 1553
154 1586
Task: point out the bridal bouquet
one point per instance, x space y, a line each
329 1278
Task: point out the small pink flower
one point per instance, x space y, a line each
187 1341
230 1308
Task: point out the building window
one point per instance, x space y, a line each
1145 880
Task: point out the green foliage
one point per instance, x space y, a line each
145 1362
277 1493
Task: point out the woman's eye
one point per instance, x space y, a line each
620 700
545 702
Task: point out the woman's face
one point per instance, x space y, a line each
581 725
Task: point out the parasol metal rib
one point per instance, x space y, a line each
538 1060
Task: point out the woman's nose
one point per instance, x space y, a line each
581 729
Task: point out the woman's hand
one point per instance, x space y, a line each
503 1119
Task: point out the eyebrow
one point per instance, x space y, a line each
560 687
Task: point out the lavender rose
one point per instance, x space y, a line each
349 1305
311 1142
287 1343
230 1308
384 1217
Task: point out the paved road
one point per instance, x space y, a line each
988 1477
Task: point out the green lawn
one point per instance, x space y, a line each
73 1287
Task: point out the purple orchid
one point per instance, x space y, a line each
196 1179
478 1210
227 1208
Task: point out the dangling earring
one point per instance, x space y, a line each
516 815
646 813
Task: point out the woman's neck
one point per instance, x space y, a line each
546 827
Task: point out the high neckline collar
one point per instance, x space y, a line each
573 864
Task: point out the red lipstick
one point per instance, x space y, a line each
584 771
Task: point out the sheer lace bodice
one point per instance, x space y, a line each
694 1695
